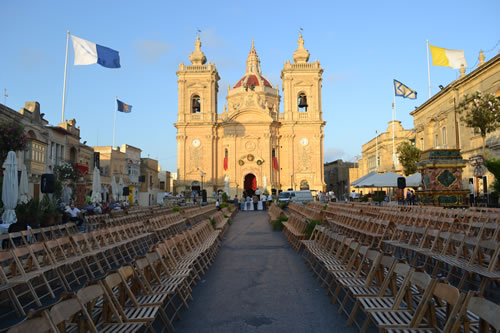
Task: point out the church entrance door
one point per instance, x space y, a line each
250 184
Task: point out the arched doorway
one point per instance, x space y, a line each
250 184
195 186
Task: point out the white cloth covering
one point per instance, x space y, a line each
10 189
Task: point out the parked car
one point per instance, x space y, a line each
302 197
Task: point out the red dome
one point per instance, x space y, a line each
252 81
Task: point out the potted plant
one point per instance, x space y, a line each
49 212
32 213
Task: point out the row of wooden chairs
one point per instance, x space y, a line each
462 246
307 211
274 212
393 295
35 273
293 229
172 266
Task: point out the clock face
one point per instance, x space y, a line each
304 141
196 143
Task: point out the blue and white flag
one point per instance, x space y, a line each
403 91
88 53
122 107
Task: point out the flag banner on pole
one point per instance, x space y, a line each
122 107
447 58
403 91
88 53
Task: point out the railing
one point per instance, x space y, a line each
195 117
303 116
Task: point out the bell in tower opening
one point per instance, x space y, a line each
302 102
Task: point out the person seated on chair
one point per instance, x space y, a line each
75 214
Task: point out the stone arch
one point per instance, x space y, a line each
195 103
250 183
304 184
302 102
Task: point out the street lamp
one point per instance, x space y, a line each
291 181
201 175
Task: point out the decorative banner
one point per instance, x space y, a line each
225 163
275 163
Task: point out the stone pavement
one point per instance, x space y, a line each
259 284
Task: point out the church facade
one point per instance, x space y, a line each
252 144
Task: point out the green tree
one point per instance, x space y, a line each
493 166
481 111
12 137
409 155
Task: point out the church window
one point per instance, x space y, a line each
273 153
302 102
304 185
226 154
436 141
196 104
443 131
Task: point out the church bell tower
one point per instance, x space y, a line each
196 121
302 127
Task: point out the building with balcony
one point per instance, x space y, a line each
149 188
35 157
112 164
437 124
377 154
133 166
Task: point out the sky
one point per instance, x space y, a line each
362 47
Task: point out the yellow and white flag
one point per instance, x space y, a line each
447 58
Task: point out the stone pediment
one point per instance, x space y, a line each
304 84
249 115
197 85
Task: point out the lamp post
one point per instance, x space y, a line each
291 181
201 175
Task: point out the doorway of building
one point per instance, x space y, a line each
250 184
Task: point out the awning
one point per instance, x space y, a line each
83 168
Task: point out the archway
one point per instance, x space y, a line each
250 184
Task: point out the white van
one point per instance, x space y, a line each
302 197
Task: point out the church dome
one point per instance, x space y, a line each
250 80
253 76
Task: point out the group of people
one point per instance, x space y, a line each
253 202
326 196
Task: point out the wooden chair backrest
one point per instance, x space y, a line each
34 325
488 312
65 310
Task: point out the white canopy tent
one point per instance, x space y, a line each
23 186
10 190
120 189
114 188
388 179
96 186
357 181
414 180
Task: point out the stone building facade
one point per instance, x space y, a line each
437 124
377 153
251 145
148 191
338 177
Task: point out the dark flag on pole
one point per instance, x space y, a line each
122 107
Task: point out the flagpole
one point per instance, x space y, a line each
65 72
393 119
114 126
428 69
